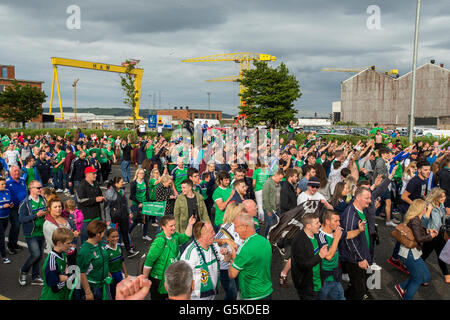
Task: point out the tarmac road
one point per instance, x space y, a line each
437 290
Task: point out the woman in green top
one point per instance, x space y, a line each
164 251
139 193
93 263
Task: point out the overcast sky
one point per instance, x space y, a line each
305 35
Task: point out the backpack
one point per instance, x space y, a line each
141 261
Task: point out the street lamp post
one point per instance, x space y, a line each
209 100
413 86
74 85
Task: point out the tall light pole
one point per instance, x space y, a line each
209 100
74 85
413 86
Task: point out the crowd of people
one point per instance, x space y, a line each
217 214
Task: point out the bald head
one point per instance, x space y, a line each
250 207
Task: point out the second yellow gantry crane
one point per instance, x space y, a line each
243 58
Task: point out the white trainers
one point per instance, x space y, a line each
6 261
59 191
391 224
146 238
66 190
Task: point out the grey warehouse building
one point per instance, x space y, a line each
378 98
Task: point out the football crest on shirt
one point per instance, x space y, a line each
204 276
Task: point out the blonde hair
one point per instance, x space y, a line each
408 170
416 208
152 173
137 172
165 178
434 195
350 183
70 205
232 211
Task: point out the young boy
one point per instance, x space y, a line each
54 268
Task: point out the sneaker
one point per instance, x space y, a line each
22 278
154 224
37 282
400 291
6 261
395 220
11 251
398 264
283 281
391 224
59 191
132 253
345 277
66 190
146 238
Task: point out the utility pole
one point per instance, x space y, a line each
150 104
413 86
74 85
209 100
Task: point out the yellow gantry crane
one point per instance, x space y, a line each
243 58
138 72
392 72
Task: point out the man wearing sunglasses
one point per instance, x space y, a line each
312 193
32 216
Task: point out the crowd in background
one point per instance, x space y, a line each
218 211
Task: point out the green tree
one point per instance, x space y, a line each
127 82
20 103
270 95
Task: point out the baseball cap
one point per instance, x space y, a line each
89 170
314 182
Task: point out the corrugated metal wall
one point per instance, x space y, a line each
372 97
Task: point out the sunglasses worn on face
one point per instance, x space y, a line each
314 187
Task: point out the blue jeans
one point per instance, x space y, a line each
230 286
65 180
36 248
418 274
84 235
331 290
125 167
270 220
14 230
58 179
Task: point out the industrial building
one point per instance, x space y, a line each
378 98
178 113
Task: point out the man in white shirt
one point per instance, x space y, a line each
204 256
11 156
312 194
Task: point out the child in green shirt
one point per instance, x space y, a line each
54 268
116 261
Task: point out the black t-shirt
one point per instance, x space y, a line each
192 206
417 189
127 152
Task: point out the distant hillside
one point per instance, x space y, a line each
118 112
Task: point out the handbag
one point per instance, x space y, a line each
403 234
